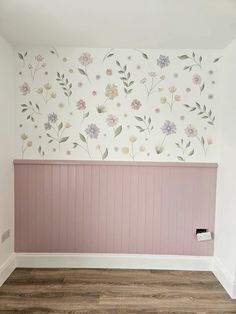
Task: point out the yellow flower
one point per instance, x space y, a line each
67 125
132 139
172 89
40 90
163 100
177 98
47 86
24 136
111 91
29 143
209 141
142 148
125 150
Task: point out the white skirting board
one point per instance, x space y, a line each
224 277
7 268
128 261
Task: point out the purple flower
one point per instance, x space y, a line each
47 126
52 117
92 131
168 128
163 61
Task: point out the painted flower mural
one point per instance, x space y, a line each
167 119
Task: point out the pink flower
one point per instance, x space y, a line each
136 104
111 120
191 131
81 104
197 79
85 59
39 58
109 71
25 89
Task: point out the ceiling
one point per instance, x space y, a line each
160 24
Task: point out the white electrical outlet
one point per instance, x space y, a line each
204 236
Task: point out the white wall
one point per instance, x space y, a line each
225 234
6 151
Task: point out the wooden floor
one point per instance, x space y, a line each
113 291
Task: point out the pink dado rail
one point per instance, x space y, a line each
113 207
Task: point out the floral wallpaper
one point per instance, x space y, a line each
116 104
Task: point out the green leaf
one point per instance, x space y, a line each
110 55
191 153
60 126
20 56
39 149
64 139
202 141
82 137
138 118
149 120
86 115
202 87
188 144
81 71
183 57
180 158
36 105
75 145
101 109
105 154
217 59
118 63
118 130
177 144
144 56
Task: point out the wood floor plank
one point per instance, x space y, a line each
72 291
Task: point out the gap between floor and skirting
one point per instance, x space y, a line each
120 261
